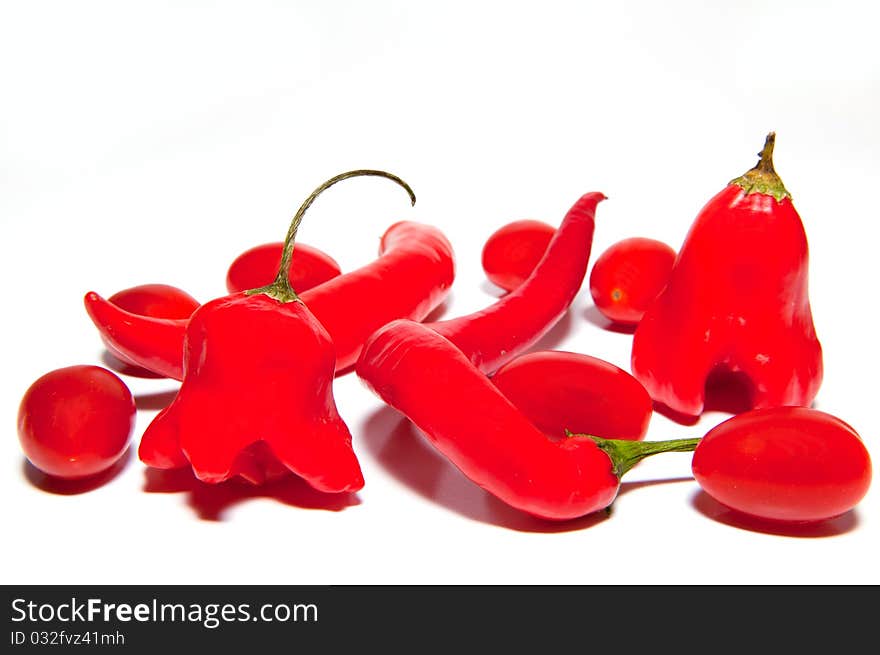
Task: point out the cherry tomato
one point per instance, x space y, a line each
561 391
511 253
628 276
156 300
76 421
788 464
258 266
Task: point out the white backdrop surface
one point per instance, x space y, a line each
155 141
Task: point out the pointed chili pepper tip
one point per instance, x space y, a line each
763 177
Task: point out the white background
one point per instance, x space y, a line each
153 142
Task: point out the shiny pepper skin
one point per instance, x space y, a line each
257 371
737 300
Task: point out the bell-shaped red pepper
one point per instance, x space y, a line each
736 300
259 370
256 397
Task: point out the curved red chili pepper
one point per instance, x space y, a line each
513 324
468 419
411 276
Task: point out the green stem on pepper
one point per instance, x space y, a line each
625 453
280 288
763 178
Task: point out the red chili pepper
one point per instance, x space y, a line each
256 266
468 419
789 464
257 387
497 334
736 300
511 252
561 391
411 276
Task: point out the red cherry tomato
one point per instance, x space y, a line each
156 300
788 464
561 391
628 276
511 253
76 421
258 267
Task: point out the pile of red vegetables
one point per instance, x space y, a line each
548 432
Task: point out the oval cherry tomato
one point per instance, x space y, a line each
258 266
559 391
511 253
76 421
628 276
789 464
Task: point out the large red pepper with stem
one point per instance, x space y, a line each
736 300
470 421
409 279
256 396
495 335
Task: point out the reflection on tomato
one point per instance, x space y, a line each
76 421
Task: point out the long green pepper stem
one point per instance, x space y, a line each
280 289
625 454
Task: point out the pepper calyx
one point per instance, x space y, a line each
763 177
282 293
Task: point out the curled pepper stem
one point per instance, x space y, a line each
625 454
763 177
280 288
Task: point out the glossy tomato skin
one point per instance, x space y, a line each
787 464
559 391
511 253
156 300
76 421
628 276
258 267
